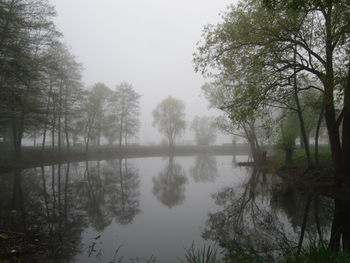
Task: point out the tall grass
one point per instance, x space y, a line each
314 253
206 255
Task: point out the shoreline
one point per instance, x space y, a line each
34 157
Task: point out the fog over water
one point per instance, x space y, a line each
146 43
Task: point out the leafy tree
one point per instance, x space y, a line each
289 40
169 117
26 32
204 130
244 118
101 94
124 108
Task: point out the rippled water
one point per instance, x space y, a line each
152 208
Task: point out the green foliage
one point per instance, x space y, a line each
169 117
288 132
204 130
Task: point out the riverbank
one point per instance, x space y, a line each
34 157
315 253
319 180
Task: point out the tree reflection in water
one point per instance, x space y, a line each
205 169
124 194
265 217
40 205
52 205
169 185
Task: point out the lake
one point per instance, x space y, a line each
152 209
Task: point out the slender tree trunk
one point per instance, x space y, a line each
121 130
53 127
319 122
34 139
300 115
59 126
66 116
46 117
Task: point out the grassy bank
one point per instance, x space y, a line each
312 254
299 157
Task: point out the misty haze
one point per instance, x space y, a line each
193 131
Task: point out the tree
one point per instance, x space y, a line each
101 94
289 39
204 130
26 32
124 113
246 119
169 117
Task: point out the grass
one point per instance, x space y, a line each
206 255
300 160
315 253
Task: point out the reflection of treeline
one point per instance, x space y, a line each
52 205
40 203
263 218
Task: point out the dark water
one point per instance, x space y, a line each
150 209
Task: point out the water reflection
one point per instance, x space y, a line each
266 217
205 169
39 212
169 185
124 198
49 207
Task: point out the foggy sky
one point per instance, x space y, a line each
147 43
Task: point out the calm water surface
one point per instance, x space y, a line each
152 208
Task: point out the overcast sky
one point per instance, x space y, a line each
148 43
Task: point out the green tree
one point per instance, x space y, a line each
124 113
26 32
169 117
101 94
204 129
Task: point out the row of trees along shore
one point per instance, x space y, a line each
265 58
41 90
42 96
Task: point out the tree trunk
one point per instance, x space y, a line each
46 116
53 127
66 119
288 156
317 161
121 130
300 116
59 120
